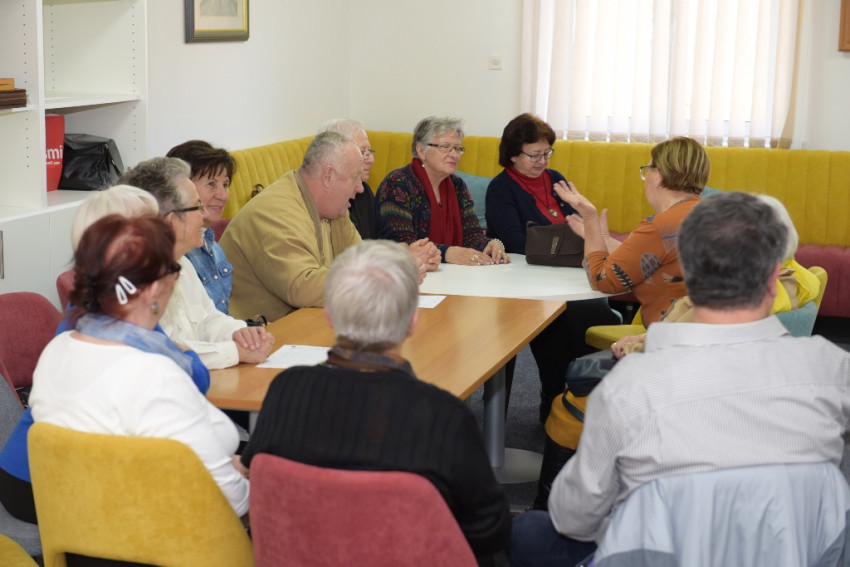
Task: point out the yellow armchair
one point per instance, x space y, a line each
140 499
13 555
603 336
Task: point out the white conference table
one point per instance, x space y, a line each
517 280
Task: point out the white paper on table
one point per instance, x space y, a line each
295 355
430 301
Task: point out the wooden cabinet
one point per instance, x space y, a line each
86 60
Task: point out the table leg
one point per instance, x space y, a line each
494 418
509 465
252 420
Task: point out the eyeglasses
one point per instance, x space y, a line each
446 148
199 207
643 169
367 153
173 268
539 157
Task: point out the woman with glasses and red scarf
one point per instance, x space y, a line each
425 199
524 192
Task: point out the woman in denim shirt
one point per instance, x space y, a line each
212 170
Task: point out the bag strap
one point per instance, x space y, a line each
113 164
576 413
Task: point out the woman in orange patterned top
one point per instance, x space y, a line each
647 261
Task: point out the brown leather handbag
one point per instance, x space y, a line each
553 245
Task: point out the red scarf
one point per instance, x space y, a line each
540 188
446 226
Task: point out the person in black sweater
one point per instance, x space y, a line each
364 409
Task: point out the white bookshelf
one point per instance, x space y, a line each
86 60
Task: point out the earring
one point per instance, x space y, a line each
155 308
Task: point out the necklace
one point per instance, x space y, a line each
530 190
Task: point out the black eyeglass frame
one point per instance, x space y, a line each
173 268
199 207
541 156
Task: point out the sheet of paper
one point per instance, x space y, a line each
430 301
295 355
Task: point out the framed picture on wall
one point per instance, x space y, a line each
844 30
216 20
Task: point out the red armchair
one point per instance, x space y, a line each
29 322
316 517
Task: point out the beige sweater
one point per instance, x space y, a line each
280 252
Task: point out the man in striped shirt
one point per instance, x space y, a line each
732 389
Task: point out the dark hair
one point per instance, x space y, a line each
140 250
729 245
683 164
204 159
524 129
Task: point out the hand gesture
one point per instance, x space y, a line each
577 223
569 194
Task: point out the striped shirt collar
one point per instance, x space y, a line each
662 335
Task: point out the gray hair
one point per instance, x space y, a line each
729 245
348 127
124 200
371 294
159 177
782 213
325 148
431 127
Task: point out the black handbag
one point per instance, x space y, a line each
585 372
553 245
90 163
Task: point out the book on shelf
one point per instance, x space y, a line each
13 98
6 84
13 93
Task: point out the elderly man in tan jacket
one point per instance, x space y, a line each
283 241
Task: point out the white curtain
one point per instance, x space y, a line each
720 71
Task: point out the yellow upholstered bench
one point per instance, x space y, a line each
814 185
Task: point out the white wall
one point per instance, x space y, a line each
288 78
824 113
390 63
415 59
